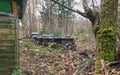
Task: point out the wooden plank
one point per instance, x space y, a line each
6 61
9 50
7 26
6 31
7 37
7 47
14 7
4 72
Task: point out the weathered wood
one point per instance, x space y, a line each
6 31
8 43
14 7
105 71
114 63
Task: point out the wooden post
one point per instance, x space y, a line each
14 7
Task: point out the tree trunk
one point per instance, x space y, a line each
106 34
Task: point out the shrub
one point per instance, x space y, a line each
57 32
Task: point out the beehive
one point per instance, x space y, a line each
5 6
8 43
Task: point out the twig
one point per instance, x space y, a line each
113 63
105 71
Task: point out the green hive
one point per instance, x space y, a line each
5 6
8 43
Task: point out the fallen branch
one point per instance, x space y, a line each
105 71
114 63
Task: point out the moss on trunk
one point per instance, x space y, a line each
106 34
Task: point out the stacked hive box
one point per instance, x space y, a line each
8 44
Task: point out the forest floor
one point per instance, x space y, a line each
44 60
41 60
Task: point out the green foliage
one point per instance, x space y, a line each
57 32
44 53
43 30
80 34
16 72
106 32
26 44
106 46
107 43
58 66
50 45
51 72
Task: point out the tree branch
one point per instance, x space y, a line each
89 14
85 6
76 11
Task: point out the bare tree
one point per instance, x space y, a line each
89 13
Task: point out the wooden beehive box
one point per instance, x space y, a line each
8 43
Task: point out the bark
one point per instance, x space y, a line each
107 34
30 17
